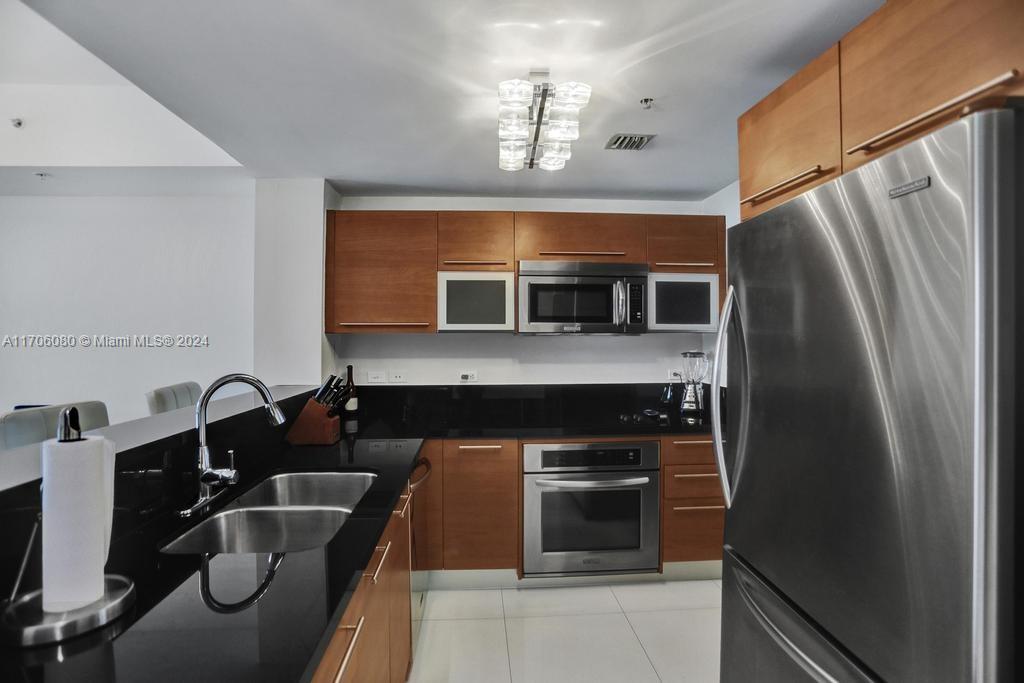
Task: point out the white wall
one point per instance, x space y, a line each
123 265
507 358
514 359
288 280
725 202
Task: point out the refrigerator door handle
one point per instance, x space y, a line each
716 394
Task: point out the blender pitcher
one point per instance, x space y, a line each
695 367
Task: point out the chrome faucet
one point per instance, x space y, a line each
210 477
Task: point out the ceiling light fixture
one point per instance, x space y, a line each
537 121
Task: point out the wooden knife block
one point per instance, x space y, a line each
313 427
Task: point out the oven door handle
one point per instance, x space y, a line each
576 484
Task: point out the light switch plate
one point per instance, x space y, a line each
376 377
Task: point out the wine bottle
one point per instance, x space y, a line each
352 404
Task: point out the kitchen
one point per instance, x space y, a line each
726 392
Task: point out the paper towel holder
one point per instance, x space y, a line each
23 621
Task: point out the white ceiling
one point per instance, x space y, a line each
398 96
79 112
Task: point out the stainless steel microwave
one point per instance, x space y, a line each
682 302
571 297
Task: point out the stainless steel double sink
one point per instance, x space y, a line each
283 513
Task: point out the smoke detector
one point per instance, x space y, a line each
633 142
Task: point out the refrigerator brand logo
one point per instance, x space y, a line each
912 186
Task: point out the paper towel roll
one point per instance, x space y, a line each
78 510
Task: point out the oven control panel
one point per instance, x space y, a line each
591 456
605 457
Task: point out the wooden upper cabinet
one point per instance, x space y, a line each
542 236
481 503
914 55
790 140
476 240
686 243
382 272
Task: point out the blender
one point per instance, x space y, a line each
695 367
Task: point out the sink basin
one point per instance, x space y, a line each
284 513
327 489
277 529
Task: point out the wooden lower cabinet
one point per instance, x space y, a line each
481 503
428 508
399 582
692 507
373 642
691 532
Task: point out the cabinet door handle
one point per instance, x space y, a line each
405 508
386 324
358 628
685 264
413 485
454 262
489 447
687 443
695 476
582 253
698 507
813 170
999 80
376 574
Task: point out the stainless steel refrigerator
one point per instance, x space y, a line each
868 456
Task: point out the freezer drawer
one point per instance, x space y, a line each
764 639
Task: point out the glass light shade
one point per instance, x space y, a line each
552 164
572 94
510 164
513 123
557 150
511 149
515 93
564 124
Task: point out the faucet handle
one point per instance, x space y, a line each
231 458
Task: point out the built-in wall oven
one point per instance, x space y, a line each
566 297
590 508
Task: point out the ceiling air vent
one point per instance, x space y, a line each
633 142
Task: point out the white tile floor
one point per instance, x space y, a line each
653 631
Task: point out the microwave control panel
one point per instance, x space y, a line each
636 303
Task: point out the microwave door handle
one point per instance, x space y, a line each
615 303
589 484
620 303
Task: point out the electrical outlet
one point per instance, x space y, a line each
376 377
675 375
468 376
397 377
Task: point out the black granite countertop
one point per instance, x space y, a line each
170 635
